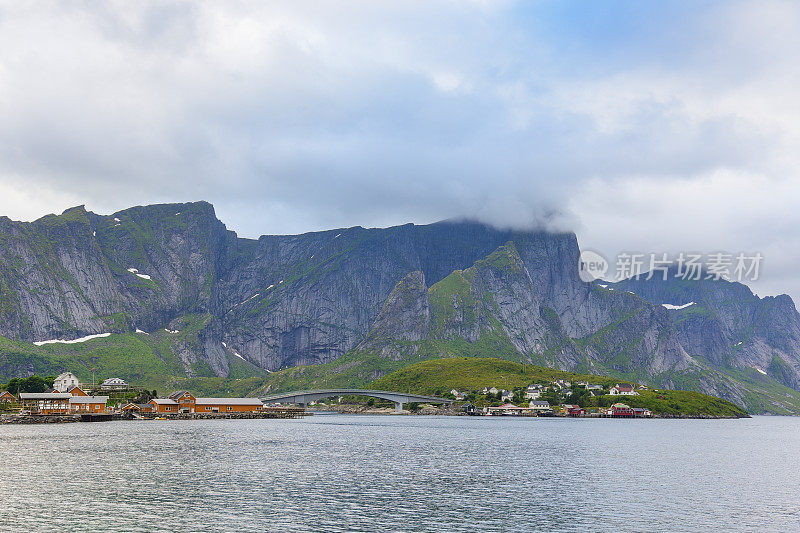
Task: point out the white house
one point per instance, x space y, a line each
539 406
113 383
64 382
622 390
507 396
493 390
534 392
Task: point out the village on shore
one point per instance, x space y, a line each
70 400
540 399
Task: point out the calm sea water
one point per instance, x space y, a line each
405 473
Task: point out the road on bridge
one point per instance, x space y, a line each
307 396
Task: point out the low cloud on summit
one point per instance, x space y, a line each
641 126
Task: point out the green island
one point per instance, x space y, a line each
473 374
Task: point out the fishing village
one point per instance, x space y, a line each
69 400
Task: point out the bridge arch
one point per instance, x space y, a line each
399 398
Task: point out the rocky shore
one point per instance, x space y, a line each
39 419
360 409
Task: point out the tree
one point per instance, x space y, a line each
552 396
580 397
29 384
13 386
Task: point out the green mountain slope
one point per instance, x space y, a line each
159 360
347 306
473 374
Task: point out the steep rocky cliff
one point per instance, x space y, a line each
400 294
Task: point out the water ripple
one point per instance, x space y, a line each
360 473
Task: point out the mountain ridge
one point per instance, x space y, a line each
369 295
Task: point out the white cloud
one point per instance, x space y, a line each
642 125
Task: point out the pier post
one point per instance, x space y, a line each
398 407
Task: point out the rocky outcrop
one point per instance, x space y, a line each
729 326
401 293
404 320
496 303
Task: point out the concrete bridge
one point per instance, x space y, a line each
306 396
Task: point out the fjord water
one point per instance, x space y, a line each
403 473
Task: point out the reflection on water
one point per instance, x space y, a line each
407 473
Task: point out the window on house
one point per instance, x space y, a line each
230 408
208 408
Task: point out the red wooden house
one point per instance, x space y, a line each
620 410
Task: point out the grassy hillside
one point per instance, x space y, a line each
473 374
147 360
154 361
465 373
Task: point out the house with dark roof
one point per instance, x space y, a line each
114 384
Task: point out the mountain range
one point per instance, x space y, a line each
159 292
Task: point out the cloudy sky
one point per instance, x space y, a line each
641 126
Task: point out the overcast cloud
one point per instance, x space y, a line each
639 125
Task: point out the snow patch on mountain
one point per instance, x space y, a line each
677 307
73 341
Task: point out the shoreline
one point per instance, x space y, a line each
295 413
356 409
274 413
